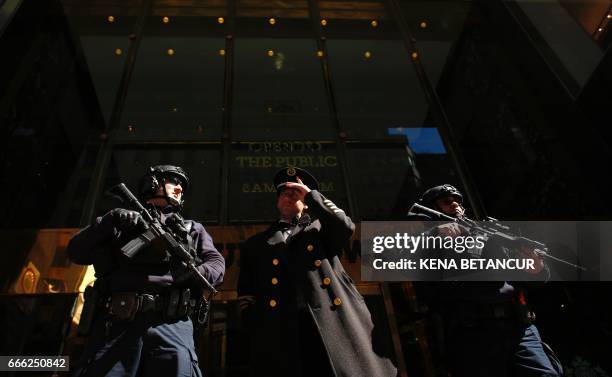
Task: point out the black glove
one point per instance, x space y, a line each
181 273
124 219
176 223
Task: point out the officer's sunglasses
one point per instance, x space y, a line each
174 180
449 200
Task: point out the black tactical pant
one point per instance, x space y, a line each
145 346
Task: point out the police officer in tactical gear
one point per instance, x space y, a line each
488 329
430 196
142 302
445 198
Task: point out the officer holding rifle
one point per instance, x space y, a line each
153 269
487 327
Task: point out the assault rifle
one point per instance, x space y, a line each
157 231
493 229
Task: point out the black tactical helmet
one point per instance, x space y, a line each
154 177
430 196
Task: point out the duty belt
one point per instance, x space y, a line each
174 304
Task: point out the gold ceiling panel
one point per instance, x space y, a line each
348 10
103 7
280 9
189 12
352 10
187 8
287 4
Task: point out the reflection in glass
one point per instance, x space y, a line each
376 93
254 164
560 39
202 164
385 178
176 91
421 139
279 91
105 43
436 26
105 58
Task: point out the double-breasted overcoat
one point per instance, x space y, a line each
285 273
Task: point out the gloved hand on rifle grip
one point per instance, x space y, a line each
181 272
125 219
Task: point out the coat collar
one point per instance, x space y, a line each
302 223
277 228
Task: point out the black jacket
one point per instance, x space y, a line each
99 244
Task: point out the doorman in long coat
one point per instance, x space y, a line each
301 309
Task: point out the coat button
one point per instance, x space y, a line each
317 263
273 303
274 281
326 281
275 261
337 301
310 247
